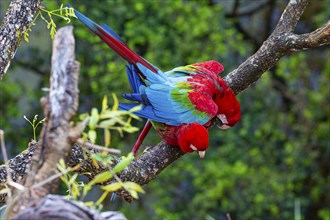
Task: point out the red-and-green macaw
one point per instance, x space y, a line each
179 103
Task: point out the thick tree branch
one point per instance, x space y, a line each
142 170
15 23
55 140
291 16
281 42
319 37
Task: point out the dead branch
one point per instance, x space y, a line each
55 140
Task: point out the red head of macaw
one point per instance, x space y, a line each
189 137
228 106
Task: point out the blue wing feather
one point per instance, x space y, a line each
134 78
145 112
161 106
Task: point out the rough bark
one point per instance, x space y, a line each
15 23
142 170
18 167
55 139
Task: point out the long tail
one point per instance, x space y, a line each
111 38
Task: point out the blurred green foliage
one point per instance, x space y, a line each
273 165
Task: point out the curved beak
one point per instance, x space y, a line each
201 154
222 123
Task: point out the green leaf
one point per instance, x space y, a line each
107 137
110 114
130 129
104 103
102 177
133 193
92 135
115 102
123 163
135 108
120 131
94 118
75 190
61 166
112 187
87 188
134 186
107 123
100 200
35 119
73 178
64 180
133 189
27 120
97 156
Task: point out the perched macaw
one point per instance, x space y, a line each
179 103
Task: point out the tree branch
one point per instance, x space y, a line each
291 16
281 42
55 140
15 23
319 37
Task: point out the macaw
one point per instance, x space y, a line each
180 103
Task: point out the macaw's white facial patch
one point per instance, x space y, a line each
193 147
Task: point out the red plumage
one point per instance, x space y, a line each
189 137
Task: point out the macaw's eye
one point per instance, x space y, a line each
214 96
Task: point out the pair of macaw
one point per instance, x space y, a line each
181 103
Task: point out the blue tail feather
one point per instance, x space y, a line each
88 22
111 32
141 98
134 79
133 97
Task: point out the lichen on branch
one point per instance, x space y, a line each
15 23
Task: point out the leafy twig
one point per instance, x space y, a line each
34 124
63 12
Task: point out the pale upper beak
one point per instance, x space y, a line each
200 153
223 122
